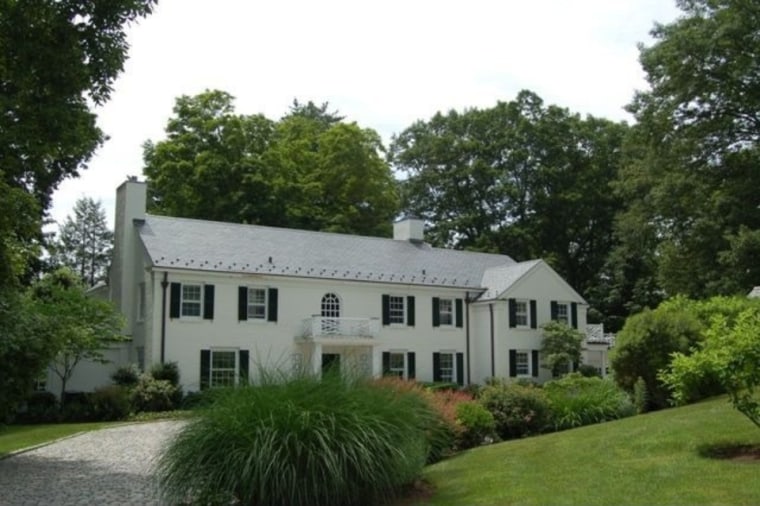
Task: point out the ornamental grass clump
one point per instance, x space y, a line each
303 441
576 401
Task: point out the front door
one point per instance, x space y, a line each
330 363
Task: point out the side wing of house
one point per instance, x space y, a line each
519 301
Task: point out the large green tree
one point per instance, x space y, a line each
84 241
308 170
690 185
521 178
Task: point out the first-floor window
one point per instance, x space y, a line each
397 366
191 300
522 363
223 370
446 367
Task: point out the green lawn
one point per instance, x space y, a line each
16 437
648 459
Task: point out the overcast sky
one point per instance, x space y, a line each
381 64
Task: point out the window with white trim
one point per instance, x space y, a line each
522 363
224 368
397 364
192 297
257 304
446 312
522 314
563 312
446 366
396 307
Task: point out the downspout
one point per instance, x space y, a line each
493 343
164 285
467 332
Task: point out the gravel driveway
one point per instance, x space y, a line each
104 467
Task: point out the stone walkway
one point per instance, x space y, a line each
104 467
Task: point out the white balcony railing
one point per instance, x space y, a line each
340 328
595 334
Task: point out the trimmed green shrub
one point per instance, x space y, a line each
110 403
576 401
300 442
477 425
126 375
151 394
518 410
40 407
168 371
76 407
589 371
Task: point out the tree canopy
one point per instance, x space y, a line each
308 170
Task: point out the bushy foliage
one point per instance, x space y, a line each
476 423
730 353
151 394
644 346
299 442
110 403
560 347
40 407
577 400
126 375
168 371
639 396
589 371
518 410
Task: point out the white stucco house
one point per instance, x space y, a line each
223 299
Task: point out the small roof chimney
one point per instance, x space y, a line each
409 229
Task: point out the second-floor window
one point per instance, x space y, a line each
398 310
521 313
191 300
257 304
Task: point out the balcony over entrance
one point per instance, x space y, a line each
330 330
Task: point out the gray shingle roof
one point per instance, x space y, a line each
498 279
182 243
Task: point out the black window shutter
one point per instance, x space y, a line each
176 295
386 309
512 313
533 319
459 313
574 315
410 310
436 367
534 358
272 305
512 363
242 303
436 312
410 365
208 302
243 367
386 362
554 310
460 369
205 368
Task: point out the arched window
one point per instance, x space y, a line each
330 306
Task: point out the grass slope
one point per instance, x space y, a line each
16 437
648 459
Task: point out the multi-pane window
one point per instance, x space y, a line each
223 368
522 363
396 309
257 304
397 366
446 311
521 313
191 300
446 367
563 315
